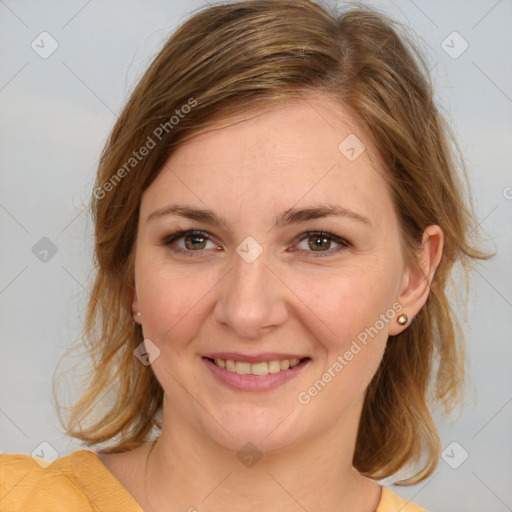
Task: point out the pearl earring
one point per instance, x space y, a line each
402 319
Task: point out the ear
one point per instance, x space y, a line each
135 306
417 278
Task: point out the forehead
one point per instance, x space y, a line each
272 130
309 150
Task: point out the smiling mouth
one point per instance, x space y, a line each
260 368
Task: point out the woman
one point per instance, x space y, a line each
277 214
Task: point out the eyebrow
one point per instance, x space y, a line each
288 217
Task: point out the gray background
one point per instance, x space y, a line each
55 116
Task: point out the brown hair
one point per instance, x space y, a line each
259 53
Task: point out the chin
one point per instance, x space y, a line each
255 429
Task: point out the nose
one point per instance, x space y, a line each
252 300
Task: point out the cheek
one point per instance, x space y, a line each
345 303
353 313
356 315
171 299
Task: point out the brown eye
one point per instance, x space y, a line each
193 242
189 242
318 243
322 243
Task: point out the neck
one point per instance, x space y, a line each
187 471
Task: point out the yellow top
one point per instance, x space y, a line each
79 482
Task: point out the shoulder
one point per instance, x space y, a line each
391 502
77 482
28 483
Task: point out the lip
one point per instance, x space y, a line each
254 383
256 358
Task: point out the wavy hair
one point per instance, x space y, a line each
259 53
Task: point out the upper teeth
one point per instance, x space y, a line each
263 368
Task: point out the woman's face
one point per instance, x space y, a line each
295 255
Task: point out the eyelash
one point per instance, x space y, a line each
173 237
